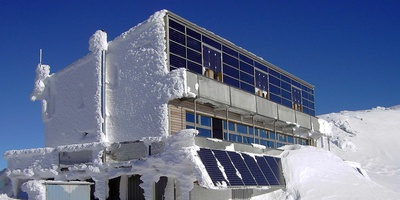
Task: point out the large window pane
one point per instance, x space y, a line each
246 68
204 132
189 117
246 59
261 67
177 49
205 121
247 87
176 26
194 67
247 78
194 44
231 81
230 51
211 59
177 61
194 56
177 36
211 42
193 33
231 71
230 60
241 128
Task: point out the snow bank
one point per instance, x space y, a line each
370 138
313 173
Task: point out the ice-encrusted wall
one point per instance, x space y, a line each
139 84
71 100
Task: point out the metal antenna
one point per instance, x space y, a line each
40 57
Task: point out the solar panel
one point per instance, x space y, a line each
211 165
241 166
242 169
230 170
267 171
255 170
279 173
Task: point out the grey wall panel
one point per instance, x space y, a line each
213 90
192 82
315 123
303 120
286 114
243 100
266 108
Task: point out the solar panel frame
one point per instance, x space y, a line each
210 163
267 171
255 170
247 176
230 170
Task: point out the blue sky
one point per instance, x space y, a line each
350 50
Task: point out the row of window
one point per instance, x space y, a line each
216 128
201 54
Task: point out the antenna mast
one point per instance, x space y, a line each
40 57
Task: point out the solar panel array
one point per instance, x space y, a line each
241 169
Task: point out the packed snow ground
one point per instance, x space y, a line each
369 137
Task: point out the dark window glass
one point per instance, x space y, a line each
231 71
193 33
190 117
271 144
261 81
189 127
247 68
285 78
286 86
247 87
230 60
311 105
205 121
274 89
275 73
241 128
195 67
305 94
296 96
176 26
281 138
211 59
272 135
263 134
295 83
177 61
177 36
311 97
286 102
306 110
194 44
246 78
194 56
211 42
286 94
204 132
177 49
172 68
263 142
274 80
231 81
275 98
261 67
305 103
230 51
279 145
251 130
246 59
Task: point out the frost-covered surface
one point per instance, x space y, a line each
139 84
70 102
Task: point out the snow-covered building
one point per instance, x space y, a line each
167 110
